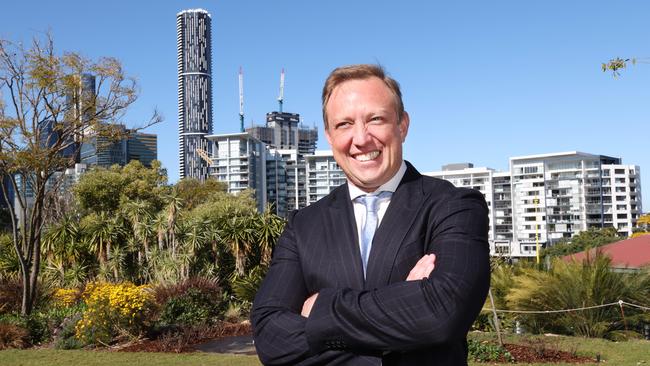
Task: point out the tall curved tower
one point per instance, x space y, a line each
193 29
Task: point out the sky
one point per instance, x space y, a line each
483 81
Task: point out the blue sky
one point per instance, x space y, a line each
482 81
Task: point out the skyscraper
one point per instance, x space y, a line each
193 29
284 131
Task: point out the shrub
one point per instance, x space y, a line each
487 352
113 309
11 294
245 287
35 324
576 285
163 293
64 297
191 308
65 335
191 302
13 336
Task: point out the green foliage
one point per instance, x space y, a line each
194 192
66 337
245 287
487 352
588 239
100 190
576 285
36 326
107 190
191 302
194 307
9 264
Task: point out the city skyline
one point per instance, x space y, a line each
481 81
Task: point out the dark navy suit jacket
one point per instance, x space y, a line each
382 319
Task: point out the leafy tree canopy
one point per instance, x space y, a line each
591 238
194 192
107 190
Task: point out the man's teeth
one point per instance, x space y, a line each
367 156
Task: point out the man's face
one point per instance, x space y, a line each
364 131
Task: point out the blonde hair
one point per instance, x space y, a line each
360 72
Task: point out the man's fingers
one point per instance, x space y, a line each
422 268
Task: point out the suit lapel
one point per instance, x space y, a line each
405 204
345 240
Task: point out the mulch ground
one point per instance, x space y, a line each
532 354
185 341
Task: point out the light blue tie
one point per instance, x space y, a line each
370 225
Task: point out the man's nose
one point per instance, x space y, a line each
361 134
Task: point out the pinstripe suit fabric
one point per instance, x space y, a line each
382 320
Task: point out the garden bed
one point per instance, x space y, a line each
531 354
186 339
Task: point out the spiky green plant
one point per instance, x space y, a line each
571 285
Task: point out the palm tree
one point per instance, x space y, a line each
576 285
268 228
61 243
140 216
239 234
102 232
172 211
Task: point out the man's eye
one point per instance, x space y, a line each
376 119
344 124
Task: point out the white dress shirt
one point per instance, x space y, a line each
360 208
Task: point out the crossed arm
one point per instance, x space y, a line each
420 271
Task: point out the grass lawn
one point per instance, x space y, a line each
631 353
49 357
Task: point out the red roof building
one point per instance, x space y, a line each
630 254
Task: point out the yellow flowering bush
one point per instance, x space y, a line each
113 309
64 297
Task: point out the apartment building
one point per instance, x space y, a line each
239 160
544 198
323 175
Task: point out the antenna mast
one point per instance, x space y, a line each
241 100
281 97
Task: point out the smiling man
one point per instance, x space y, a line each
390 268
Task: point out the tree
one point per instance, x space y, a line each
642 226
45 112
617 64
587 239
194 192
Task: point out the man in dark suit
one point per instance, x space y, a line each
352 280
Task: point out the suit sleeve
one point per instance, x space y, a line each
278 327
410 315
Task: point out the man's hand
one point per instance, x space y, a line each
422 268
306 307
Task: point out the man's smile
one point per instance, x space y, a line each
367 156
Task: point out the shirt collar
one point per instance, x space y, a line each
389 186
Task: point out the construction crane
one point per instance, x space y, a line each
241 100
204 155
281 97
